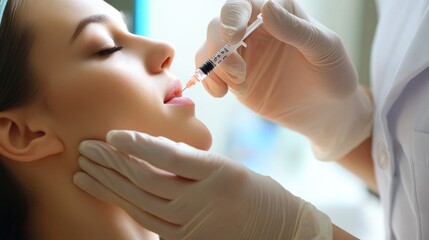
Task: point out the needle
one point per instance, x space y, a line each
183 90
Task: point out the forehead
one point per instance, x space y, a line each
54 21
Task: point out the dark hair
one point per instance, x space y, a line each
15 90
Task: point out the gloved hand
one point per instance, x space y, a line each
180 192
294 71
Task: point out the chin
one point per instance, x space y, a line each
199 137
203 141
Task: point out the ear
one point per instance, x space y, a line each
25 142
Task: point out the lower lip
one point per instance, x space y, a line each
180 101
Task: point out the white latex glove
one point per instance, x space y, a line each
294 71
180 192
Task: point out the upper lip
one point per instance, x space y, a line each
174 91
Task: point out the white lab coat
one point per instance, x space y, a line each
400 148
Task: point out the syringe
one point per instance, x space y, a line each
221 55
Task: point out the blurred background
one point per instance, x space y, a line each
245 137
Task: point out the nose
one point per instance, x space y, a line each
158 56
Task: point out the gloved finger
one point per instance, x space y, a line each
123 187
143 175
127 190
235 16
216 87
233 69
148 221
315 41
238 88
177 158
230 73
212 83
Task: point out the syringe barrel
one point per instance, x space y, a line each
218 58
226 50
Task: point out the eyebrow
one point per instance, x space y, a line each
85 22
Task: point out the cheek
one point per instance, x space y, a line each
88 105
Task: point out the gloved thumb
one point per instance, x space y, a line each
235 16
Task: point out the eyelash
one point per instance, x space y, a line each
109 51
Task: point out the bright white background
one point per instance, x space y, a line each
263 147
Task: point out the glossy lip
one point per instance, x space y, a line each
180 101
174 91
174 95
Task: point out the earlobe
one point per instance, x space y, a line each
24 143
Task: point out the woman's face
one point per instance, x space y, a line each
95 76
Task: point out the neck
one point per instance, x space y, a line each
59 208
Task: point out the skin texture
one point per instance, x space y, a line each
83 92
359 161
340 234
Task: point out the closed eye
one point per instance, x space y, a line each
109 51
